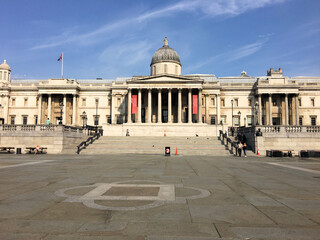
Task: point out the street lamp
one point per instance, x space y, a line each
232 110
96 119
239 113
256 109
84 118
61 108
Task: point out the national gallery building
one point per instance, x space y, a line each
163 101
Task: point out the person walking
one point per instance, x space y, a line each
240 148
244 147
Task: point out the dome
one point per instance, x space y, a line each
165 54
5 66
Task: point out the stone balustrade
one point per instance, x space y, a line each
40 128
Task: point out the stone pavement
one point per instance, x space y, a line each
155 197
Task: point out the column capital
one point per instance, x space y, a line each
169 89
159 89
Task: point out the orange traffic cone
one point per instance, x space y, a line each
258 152
165 133
176 151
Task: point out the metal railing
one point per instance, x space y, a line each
90 140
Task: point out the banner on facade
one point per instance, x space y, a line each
194 104
134 104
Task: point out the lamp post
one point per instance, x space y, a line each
232 110
256 107
61 108
84 118
96 120
239 113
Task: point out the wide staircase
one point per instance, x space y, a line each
156 145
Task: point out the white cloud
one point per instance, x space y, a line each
209 8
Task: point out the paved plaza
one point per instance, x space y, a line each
154 197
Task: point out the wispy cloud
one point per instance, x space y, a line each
231 55
209 8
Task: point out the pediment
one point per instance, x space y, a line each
165 79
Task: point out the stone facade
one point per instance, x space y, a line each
186 100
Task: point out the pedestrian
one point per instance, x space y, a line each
36 150
244 147
127 134
240 148
48 121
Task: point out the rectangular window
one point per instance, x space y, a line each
25 120
108 119
312 102
26 102
223 119
12 120
213 120
236 120
300 121
119 119
84 102
250 120
222 102
213 102
313 121
299 102
236 102
13 102
96 120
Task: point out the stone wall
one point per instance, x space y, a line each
54 137
175 130
293 138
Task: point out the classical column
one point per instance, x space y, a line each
200 105
159 105
297 105
218 108
207 109
64 120
74 109
189 106
129 106
113 106
169 106
260 110
179 105
270 109
139 106
149 105
49 107
6 109
286 109
40 109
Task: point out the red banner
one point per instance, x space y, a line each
194 104
134 104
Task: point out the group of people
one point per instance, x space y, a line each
241 145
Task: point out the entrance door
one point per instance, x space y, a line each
1 121
186 115
143 115
164 115
275 121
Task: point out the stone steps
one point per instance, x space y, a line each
156 145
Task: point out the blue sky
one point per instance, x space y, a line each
117 38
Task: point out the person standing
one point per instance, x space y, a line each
240 148
48 121
244 147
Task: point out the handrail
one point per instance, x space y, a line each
90 140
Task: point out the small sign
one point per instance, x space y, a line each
167 151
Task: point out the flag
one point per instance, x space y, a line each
60 58
134 104
195 104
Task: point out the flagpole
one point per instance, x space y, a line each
62 67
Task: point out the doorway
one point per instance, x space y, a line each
165 115
276 121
